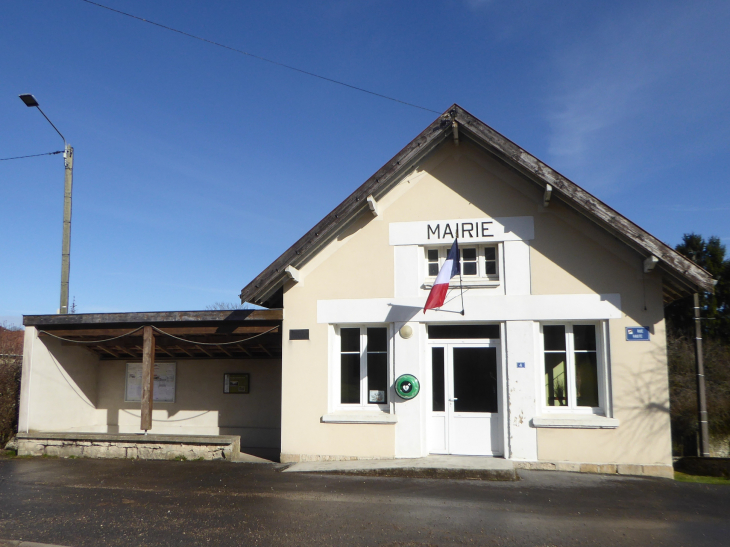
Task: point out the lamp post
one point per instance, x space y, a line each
68 157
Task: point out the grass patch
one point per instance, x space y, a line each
700 479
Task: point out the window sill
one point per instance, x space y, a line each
575 421
471 283
359 418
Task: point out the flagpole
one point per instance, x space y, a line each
461 288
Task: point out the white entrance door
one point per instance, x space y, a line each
466 400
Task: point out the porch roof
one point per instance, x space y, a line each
227 334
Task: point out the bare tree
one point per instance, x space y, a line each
229 306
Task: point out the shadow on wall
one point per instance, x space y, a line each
643 404
200 408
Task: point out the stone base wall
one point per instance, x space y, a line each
640 470
153 447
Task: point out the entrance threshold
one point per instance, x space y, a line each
430 467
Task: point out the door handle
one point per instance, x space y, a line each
454 399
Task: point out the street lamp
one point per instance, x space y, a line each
68 156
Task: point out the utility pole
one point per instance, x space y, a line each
68 159
701 396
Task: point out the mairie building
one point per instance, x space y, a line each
549 349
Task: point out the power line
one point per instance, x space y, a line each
277 63
32 156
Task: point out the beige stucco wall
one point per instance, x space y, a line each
70 389
572 256
569 255
59 387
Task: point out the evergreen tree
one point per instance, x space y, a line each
715 307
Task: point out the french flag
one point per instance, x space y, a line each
441 286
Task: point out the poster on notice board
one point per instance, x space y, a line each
163 390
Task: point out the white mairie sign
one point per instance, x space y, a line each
164 383
467 230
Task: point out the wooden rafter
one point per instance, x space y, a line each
203 350
224 350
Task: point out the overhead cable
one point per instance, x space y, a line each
277 63
32 155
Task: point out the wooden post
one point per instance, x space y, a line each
148 377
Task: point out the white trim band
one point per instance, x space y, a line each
558 307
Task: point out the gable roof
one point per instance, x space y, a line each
681 276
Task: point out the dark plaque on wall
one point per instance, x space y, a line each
298 334
236 382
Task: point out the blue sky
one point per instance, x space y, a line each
197 166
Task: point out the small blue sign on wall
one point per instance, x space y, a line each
637 334
520 365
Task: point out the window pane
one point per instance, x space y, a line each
437 377
433 269
554 336
475 380
491 268
350 378
433 255
490 253
377 339
555 380
377 377
350 340
451 332
584 337
469 254
470 268
586 379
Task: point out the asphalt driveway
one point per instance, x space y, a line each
121 502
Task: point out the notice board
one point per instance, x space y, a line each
164 383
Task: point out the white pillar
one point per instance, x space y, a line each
522 389
410 431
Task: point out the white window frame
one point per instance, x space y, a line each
481 279
335 371
602 362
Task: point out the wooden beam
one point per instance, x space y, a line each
126 350
244 350
162 349
265 350
184 351
108 333
148 378
154 317
255 330
203 350
224 351
110 352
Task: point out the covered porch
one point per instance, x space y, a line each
202 374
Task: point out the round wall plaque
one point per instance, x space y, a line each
406 331
407 386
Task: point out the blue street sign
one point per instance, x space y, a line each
520 365
637 334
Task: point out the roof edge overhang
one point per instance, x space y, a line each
682 278
148 318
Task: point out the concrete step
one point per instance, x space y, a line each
430 467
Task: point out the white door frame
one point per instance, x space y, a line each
448 345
